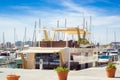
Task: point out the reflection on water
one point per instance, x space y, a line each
12 65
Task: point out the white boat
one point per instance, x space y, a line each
104 59
114 54
4 57
49 45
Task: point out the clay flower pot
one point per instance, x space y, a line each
110 73
13 77
62 75
110 70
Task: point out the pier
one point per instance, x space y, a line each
93 73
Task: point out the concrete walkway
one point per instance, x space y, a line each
94 73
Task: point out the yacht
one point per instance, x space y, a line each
44 50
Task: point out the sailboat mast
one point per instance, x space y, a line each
24 39
90 29
83 22
39 33
66 35
65 23
83 27
107 35
34 36
58 27
115 40
115 36
14 37
65 27
3 41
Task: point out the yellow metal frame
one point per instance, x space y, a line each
24 62
46 35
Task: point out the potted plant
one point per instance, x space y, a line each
62 72
110 70
13 77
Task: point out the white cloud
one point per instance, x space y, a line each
111 21
73 7
7 25
72 12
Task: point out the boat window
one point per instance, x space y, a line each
104 57
4 54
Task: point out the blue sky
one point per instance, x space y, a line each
23 13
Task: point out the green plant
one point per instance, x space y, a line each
61 69
83 41
111 66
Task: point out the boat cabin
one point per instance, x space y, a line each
47 57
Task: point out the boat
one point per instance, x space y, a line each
108 55
114 54
44 52
4 57
104 59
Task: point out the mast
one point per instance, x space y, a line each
65 23
34 36
24 39
14 35
107 35
66 35
86 26
39 32
83 27
83 22
90 29
58 27
115 40
3 41
14 38
65 27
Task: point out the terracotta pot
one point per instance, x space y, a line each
13 77
110 73
62 75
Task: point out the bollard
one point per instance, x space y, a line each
41 64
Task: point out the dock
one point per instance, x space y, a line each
93 73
